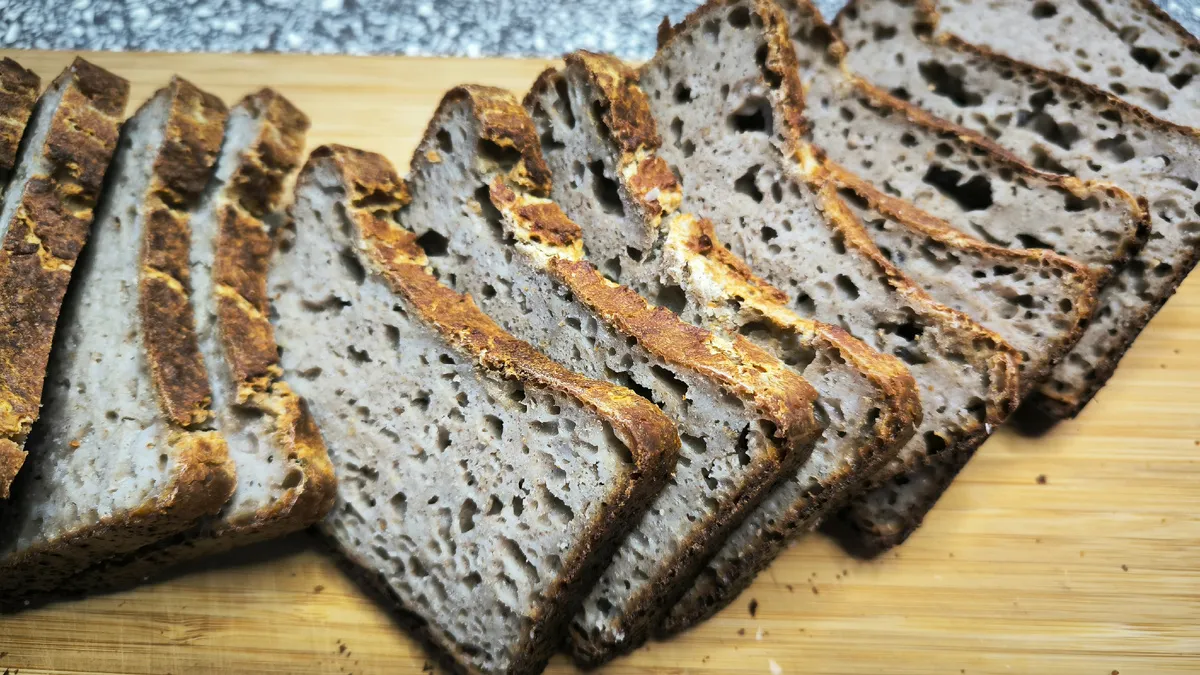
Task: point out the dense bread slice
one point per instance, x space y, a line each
482 485
1059 124
869 399
44 221
18 93
747 420
285 482
949 172
1130 48
734 136
122 456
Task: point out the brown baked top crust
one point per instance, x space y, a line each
18 93
194 129
44 239
243 247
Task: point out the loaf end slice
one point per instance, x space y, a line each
285 480
18 94
736 135
644 241
482 486
747 420
124 455
44 220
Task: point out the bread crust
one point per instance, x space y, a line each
779 69
649 181
18 93
205 477
43 241
375 197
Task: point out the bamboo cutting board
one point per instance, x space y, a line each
1072 553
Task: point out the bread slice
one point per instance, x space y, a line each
285 481
44 221
123 455
1130 48
18 93
1063 125
869 399
482 486
734 135
747 420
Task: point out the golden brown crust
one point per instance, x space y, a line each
44 239
192 140
375 197
18 93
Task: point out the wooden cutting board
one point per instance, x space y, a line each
1074 553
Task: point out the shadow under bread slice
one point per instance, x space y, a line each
600 143
46 212
482 486
285 482
124 454
734 134
480 204
1061 125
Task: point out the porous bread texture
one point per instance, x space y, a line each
949 172
599 141
481 485
18 94
746 419
44 220
285 481
123 456
1059 124
733 134
1130 48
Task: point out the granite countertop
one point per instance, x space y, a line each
414 27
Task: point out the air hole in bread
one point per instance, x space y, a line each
444 141
1116 147
949 82
671 297
491 214
773 79
562 103
504 157
606 190
682 93
753 115
1043 10
739 17
350 261
974 194
1149 57
747 184
433 243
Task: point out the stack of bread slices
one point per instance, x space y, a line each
606 351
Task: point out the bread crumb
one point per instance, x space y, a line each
1041 479
753 607
758 634
790 589
775 667
815 591
341 649
741 631
318 588
1125 568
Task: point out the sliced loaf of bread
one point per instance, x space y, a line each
1130 48
482 486
123 455
18 94
285 481
747 420
1062 125
600 143
45 215
725 85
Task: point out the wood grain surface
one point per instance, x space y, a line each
1072 553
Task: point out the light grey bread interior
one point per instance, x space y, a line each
1061 125
122 456
1130 48
600 142
979 190
723 87
734 449
481 485
285 482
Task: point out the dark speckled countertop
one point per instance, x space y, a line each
416 27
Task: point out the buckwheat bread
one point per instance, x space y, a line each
600 142
1129 48
285 481
44 220
124 455
747 420
18 94
735 137
1062 125
482 486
